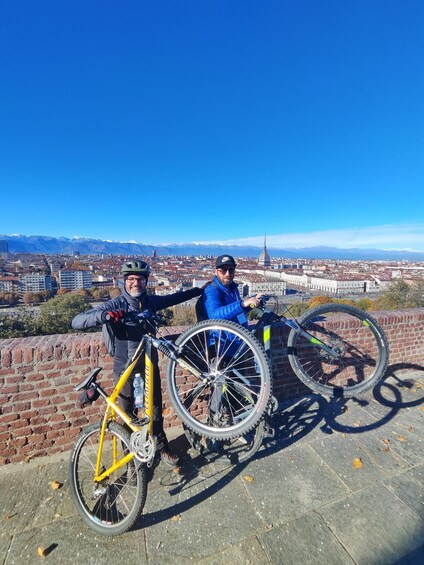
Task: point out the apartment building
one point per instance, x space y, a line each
34 282
74 280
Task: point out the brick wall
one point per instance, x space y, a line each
39 410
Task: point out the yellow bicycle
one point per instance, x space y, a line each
219 383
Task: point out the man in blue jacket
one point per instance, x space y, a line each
222 299
122 339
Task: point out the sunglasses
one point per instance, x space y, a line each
223 270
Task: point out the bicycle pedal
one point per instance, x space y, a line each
140 421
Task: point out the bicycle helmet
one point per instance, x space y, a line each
135 268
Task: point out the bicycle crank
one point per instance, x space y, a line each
143 447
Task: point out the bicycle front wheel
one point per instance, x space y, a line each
359 350
113 505
232 388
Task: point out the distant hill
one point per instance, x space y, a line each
87 246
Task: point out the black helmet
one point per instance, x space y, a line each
135 268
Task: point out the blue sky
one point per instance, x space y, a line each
179 121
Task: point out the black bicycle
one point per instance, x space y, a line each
335 349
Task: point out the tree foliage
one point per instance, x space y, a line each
56 314
8 298
183 316
21 323
401 295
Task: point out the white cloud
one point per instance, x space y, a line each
400 237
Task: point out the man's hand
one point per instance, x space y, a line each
114 316
252 301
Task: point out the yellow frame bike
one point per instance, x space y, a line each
214 365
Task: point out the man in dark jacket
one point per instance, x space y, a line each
222 298
122 339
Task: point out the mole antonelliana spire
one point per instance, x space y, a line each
264 258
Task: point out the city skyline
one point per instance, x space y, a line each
215 122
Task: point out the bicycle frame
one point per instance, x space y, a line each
294 325
113 409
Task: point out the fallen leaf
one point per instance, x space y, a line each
357 463
176 518
248 478
422 407
41 467
386 441
401 438
42 551
344 435
8 516
56 485
57 515
176 470
357 423
386 449
409 428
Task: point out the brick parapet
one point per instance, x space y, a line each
39 410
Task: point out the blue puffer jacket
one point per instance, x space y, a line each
224 303
122 339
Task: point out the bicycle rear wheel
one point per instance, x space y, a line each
112 506
360 343
234 379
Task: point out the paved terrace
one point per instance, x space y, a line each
342 483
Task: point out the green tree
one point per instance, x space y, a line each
395 297
364 303
56 314
416 295
184 316
319 300
22 323
296 310
8 298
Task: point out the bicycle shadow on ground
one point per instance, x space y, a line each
401 388
294 420
193 471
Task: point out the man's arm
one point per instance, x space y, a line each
160 302
93 317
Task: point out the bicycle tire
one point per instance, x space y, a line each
235 373
359 340
236 450
112 506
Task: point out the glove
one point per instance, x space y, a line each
114 316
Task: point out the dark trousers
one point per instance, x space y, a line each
126 402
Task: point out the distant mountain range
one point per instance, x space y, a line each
86 246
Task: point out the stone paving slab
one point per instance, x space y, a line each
409 487
207 510
291 483
375 526
307 541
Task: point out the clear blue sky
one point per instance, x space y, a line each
215 120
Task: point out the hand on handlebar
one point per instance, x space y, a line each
253 301
114 316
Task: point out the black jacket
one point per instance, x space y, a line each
123 339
